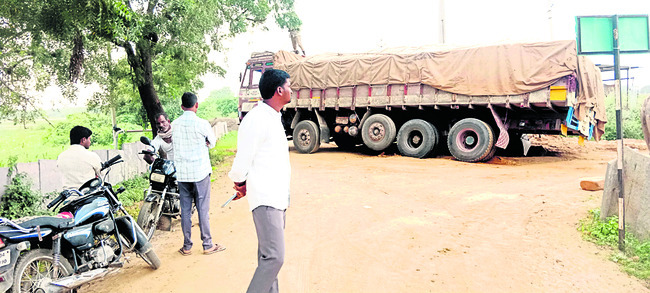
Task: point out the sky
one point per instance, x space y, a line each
347 26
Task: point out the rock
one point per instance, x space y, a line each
592 183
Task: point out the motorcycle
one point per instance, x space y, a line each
86 241
161 200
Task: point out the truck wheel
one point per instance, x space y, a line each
306 137
471 140
417 138
378 132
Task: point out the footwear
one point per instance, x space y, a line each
184 252
215 248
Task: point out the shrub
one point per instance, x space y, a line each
631 120
19 200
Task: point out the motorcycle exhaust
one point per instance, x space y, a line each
74 281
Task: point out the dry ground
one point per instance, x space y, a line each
362 223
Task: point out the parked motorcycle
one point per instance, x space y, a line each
84 242
161 200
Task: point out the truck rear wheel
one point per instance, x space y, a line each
306 137
417 138
471 140
378 132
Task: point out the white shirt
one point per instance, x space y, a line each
158 143
78 165
191 158
262 158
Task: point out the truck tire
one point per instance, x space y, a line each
306 137
471 140
417 138
378 132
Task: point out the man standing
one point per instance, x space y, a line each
77 164
262 170
191 138
163 140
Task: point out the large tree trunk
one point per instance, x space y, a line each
140 61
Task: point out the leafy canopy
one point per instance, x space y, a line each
129 48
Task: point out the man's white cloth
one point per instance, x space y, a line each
263 158
158 143
78 165
191 137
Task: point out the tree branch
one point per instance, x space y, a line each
26 99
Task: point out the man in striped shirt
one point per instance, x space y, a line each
191 139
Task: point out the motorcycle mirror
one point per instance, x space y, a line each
145 140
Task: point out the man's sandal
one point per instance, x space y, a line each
184 252
215 248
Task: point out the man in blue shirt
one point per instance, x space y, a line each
191 139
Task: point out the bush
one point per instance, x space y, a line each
19 200
100 124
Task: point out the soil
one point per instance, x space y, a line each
387 223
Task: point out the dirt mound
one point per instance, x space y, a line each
569 146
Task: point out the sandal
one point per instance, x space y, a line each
184 252
215 248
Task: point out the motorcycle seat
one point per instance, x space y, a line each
46 221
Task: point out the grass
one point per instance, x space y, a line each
636 258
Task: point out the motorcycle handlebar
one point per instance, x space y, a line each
57 200
111 162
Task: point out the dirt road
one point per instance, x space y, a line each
361 223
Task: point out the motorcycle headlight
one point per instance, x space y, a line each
157 177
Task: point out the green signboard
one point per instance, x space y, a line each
596 34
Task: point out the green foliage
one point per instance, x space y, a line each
631 120
99 124
26 145
636 258
225 147
166 44
19 200
221 103
134 192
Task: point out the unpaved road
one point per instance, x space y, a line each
361 223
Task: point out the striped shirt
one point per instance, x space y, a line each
189 136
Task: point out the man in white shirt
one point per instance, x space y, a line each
262 171
191 139
163 140
77 164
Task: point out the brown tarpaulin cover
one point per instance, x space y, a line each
504 69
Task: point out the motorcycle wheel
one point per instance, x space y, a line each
148 218
149 256
35 268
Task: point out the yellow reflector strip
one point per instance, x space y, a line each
315 98
563 129
581 140
254 100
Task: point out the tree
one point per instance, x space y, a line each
72 41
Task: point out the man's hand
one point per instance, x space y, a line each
240 187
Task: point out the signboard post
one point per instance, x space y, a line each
613 35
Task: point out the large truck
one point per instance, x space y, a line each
471 100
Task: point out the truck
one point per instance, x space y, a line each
467 100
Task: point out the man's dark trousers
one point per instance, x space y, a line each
199 192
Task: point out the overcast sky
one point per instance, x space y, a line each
362 25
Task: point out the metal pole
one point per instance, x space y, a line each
619 138
441 13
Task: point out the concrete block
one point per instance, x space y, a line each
636 188
592 183
31 169
50 177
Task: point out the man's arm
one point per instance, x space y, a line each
96 163
249 140
210 138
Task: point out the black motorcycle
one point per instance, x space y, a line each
161 200
85 242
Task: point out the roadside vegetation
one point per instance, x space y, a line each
636 258
631 118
